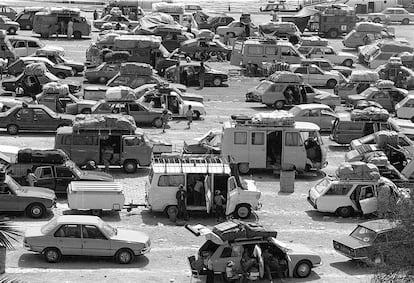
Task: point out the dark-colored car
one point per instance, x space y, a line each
32 84
34 201
211 21
77 67
58 70
33 117
141 113
326 65
189 74
102 73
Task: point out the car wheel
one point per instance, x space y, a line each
196 115
86 111
217 81
303 269
333 33
348 63
231 34
102 80
243 168
377 20
405 22
242 211
331 83
157 123
35 210
124 256
12 129
28 27
130 166
345 211
52 255
172 212
279 104
12 30
77 34
61 75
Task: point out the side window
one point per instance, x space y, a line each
20 44
46 173
68 231
133 141
67 140
85 140
40 113
270 50
33 44
24 112
316 71
293 139
134 107
339 189
329 51
63 172
92 232
226 252
258 138
171 180
301 70
240 137
255 50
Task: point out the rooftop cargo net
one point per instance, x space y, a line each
104 122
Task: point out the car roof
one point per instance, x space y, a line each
21 37
78 219
379 225
312 106
28 58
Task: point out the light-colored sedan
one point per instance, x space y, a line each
114 20
319 114
392 14
233 29
85 235
315 76
328 52
405 108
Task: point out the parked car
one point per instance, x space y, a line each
328 52
114 20
202 45
65 103
319 114
208 143
405 108
297 260
402 76
102 73
32 117
392 14
233 29
94 238
371 240
189 74
58 70
134 81
34 201
55 56
211 21
326 65
10 26
151 90
25 45
315 76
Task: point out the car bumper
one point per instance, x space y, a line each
144 251
312 203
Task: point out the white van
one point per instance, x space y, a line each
251 145
25 45
167 173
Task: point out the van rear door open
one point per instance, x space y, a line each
232 195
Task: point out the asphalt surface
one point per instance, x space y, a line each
289 214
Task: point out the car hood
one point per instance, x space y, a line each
33 232
353 243
38 192
355 97
296 249
74 63
131 236
96 176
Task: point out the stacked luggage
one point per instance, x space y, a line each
137 69
56 88
370 114
104 122
385 138
358 170
378 158
285 77
120 93
276 118
364 76
35 69
238 230
137 41
168 8
384 84
49 156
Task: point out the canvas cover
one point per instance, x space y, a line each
50 156
377 158
107 38
150 22
120 92
275 118
56 88
273 28
364 76
369 26
139 69
35 69
164 7
104 121
384 84
285 77
370 114
314 41
137 41
385 138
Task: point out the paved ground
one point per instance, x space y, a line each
289 214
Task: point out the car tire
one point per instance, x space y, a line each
345 211
157 123
348 63
405 21
377 20
196 115
36 210
102 80
61 75
12 129
52 255
217 81
130 166
303 269
242 211
172 212
331 83
28 27
86 111
231 34
243 168
124 256
279 104
11 31
333 33
77 35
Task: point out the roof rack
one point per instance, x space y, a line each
262 124
190 164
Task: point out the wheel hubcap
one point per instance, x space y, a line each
36 210
243 212
52 255
303 269
124 257
130 166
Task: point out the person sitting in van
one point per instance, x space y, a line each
248 263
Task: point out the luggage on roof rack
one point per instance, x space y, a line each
132 68
285 77
49 156
370 114
120 93
357 170
364 76
384 84
35 69
104 122
235 230
278 118
385 138
314 41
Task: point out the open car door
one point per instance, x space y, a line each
232 195
208 193
368 200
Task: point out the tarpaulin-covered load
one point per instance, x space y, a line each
56 88
396 47
314 41
384 138
107 38
150 22
172 8
369 26
384 84
104 121
65 11
364 76
370 114
278 27
117 56
132 68
270 67
35 69
286 77
301 18
233 230
357 170
137 41
120 92
378 158
51 156
275 118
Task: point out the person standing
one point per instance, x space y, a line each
181 197
201 75
62 27
189 114
198 191
164 119
70 29
219 202
95 15
177 72
3 66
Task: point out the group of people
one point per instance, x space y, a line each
62 27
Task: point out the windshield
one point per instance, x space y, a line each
108 229
49 226
367 92
364 234
322 185
13 185
263 86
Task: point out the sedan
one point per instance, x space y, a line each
233 29
85 235
326 65
315 76
114 20
392 14
33 117
57 58
10 26
189 74
58 70
386 97
319 114
103 73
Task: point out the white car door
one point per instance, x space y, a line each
330 54
20 48
317 77
368 200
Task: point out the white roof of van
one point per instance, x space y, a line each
202 165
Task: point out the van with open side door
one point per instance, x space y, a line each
169 172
